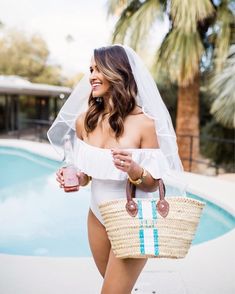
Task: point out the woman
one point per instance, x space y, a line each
124 133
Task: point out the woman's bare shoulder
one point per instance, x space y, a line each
148 132
81 117
147 121
137 117
80 125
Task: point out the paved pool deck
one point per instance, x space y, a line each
207 269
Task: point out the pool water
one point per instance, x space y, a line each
215 221
38 218
19 166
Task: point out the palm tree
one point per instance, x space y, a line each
223 85
181 52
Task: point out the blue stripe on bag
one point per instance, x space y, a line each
155 231
141 231
155 237
154 210
141 236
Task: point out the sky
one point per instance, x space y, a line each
85 20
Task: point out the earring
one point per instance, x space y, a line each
99 100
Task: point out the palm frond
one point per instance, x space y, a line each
124 22
115 7
143 21
186 13
136 21
223 86
225 19
179 55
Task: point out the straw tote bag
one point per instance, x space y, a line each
141 228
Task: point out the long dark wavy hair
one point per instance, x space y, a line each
113 63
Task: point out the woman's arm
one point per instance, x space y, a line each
80 126
84 179
124 162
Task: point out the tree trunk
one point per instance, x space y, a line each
187 124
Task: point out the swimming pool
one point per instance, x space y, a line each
38 218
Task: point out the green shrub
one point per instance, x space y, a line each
220 152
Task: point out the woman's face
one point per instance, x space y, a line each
99 84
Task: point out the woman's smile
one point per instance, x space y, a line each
95 85
99 84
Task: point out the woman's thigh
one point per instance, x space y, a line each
99 242
121 274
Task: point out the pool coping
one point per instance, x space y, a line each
218 191
206 269
43 149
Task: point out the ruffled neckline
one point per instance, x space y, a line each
98 162
80 141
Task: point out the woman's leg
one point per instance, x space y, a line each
99 242
121 274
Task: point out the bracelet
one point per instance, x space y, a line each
140 180
88 181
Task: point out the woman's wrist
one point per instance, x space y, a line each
135 172
84 179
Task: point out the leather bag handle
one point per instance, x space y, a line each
132 207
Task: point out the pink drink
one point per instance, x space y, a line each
71 183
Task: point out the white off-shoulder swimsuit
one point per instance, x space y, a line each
108 182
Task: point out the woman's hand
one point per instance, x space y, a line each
82 179
123 160
60 179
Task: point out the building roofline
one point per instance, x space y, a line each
19 86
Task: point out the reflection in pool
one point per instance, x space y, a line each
39 218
